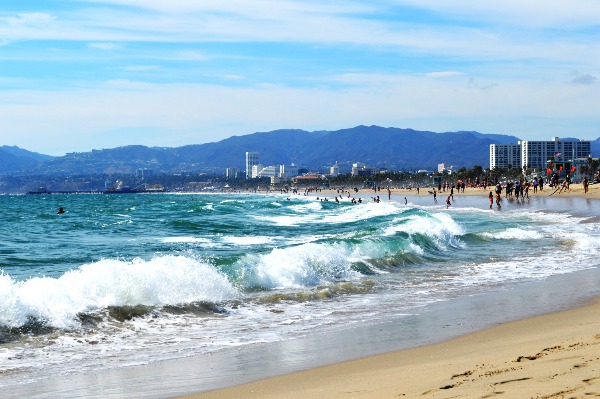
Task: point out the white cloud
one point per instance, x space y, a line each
32 18
141 68
531 13
106 46
443 74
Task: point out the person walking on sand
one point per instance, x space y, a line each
564 186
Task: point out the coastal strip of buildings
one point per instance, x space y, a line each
562 156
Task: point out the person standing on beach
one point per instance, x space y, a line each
586 184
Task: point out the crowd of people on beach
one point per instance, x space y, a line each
519 189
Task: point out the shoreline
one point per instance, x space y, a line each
554 355
557 324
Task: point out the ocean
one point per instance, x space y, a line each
128 280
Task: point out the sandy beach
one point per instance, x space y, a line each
550 356
556 355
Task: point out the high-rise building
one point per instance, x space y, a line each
251 160
232 173
334 170
536 154
503 156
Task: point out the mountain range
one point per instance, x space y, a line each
392 148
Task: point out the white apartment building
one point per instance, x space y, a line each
255 171
360 168
334 170
505 155
251 160
269 171
536 154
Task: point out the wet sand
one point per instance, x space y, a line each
550 356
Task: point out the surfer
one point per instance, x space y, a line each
60 211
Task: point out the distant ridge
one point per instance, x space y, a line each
384 147
13 159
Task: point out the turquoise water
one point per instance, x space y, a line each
132 279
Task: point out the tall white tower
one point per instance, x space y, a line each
251 160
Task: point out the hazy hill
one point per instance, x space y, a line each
394 148
13 159
376 146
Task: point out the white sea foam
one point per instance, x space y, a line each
166 280
300 266
364 211
514 234
195 240
439 226
313 213
250 240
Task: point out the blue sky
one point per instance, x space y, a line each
77 75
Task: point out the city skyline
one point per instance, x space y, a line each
83 74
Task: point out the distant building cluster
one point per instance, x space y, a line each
360 169
255 170
291 173
540 155
445 168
